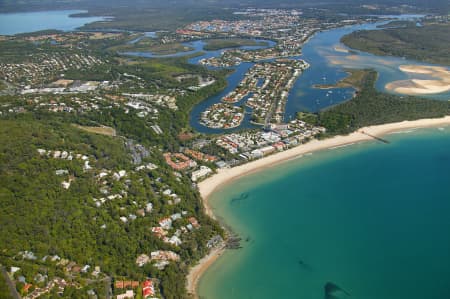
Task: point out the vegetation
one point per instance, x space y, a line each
429 43
149 45
307 117
217 44
4 288
370 107
355 79
397 24
38 215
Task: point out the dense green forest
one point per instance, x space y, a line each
430 43
371 107
40 216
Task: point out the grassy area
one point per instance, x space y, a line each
429 43
108 131
370 107
217 44
355 79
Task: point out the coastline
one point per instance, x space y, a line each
226 176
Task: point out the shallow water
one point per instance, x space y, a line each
371 218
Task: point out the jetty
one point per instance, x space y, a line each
375 137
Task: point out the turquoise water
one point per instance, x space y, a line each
13 23
372 218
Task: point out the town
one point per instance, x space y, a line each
139 182
265 88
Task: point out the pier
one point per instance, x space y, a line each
375 137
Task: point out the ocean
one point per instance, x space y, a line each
370 219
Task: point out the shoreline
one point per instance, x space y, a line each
226 176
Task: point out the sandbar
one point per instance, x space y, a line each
439 81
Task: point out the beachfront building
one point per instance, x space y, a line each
201 173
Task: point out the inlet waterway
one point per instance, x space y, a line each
328 59
232 80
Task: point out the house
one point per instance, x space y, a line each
14 269
159 232
166 223
267 150
65 185
85 268
256 154
279 146
26 287
221 164
174 240
128 295
61 172
142 260
175 216
161 255
193 221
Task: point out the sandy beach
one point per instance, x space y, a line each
197 271
439 81
225 176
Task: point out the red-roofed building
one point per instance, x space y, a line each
26 287
123 284
119 284
194 222
148 289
